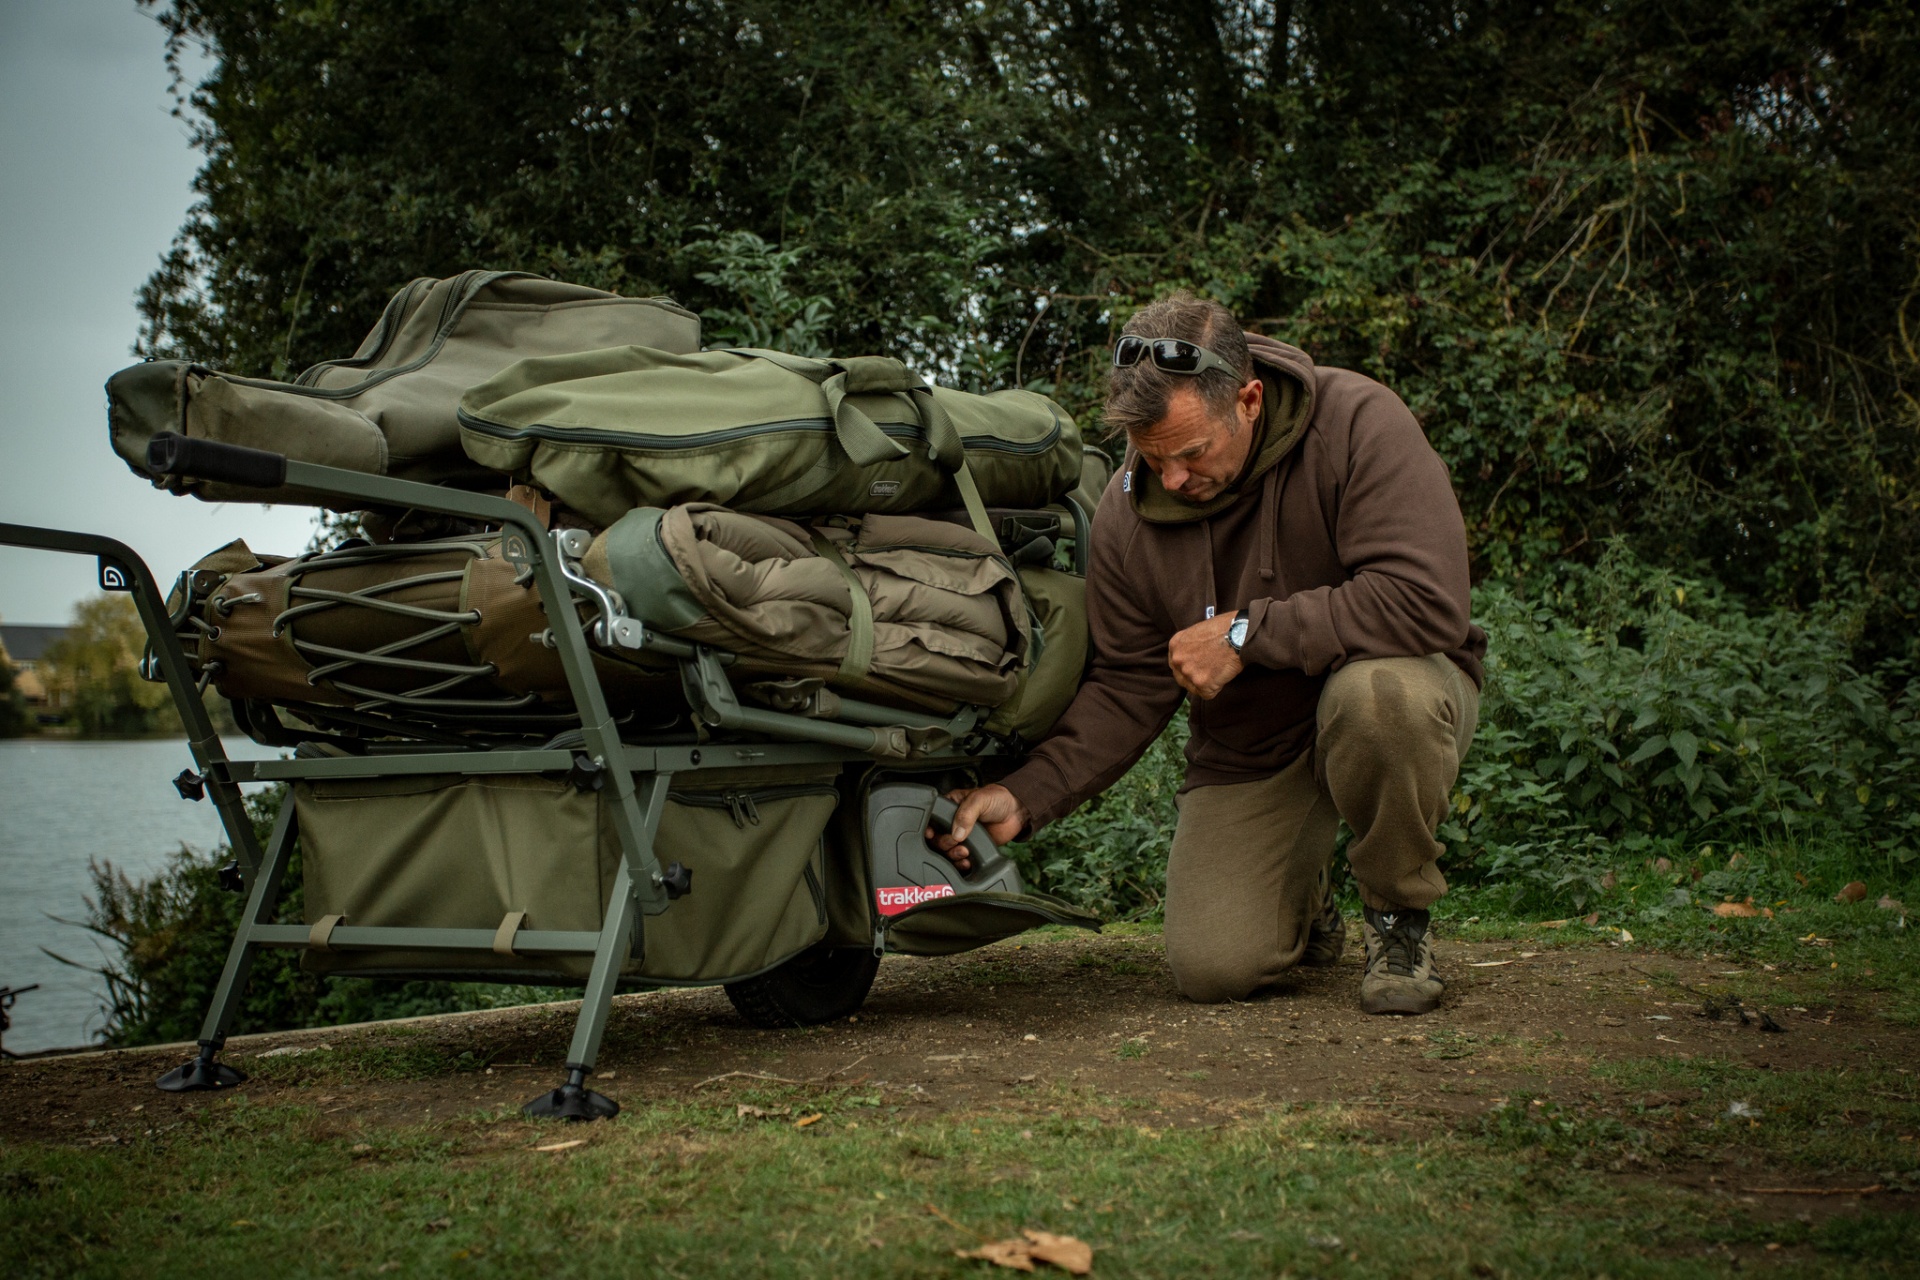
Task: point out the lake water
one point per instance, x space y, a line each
61 804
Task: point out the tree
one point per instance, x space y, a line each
16 719
1640 268
92 673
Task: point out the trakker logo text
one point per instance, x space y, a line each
893 901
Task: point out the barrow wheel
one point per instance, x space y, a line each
818 985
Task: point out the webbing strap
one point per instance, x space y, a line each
976 509
510 924
859 657
320 936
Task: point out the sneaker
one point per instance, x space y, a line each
1400 977
1327 935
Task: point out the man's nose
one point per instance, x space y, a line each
1174 478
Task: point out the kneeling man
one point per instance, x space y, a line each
1284 546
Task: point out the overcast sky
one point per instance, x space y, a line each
98 177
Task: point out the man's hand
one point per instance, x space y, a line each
993 807
1202 660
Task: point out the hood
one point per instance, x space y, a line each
1286 408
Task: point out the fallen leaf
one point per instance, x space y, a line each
1591 918
1889 903
1551 924
815 1118
1064 1252
438 1225
1609 880
746 1109
563 1146
1853 892
1740 910
1015 1255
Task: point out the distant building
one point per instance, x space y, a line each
24 647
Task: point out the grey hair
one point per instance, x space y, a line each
1137 395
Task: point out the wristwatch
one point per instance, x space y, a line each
1237 631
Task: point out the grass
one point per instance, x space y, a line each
704 1190
1633 1167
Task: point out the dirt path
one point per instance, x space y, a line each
982 1031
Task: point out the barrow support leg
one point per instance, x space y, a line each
204 1071
573 1100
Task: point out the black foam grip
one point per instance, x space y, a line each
169 454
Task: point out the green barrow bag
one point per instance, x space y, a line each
388 409
530 852
763 432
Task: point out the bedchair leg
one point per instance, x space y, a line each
621 937
573 1100
203 1072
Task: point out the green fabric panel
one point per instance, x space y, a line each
753 902
449 852
644 574
441 852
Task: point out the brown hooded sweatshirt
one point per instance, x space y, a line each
1342 540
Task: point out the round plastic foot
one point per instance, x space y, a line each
572 1101
200 1074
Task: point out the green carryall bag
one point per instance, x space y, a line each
764 432
487 851
388 409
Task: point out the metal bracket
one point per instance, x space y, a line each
613 629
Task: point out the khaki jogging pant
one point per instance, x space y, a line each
1249 860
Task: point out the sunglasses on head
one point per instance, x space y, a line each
1169 355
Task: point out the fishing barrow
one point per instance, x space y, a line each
643 822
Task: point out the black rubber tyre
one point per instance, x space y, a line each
816 986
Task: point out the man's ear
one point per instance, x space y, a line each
1252 396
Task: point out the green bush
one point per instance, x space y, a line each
1629 710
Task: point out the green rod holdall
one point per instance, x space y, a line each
766 433
388 409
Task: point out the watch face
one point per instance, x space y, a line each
1237 633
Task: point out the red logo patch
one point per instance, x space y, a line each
891 902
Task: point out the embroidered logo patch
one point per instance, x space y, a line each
1126 482
891 902
883 488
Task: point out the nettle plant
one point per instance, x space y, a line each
1628 707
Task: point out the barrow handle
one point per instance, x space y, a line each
171 454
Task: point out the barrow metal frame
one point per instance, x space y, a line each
633 777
